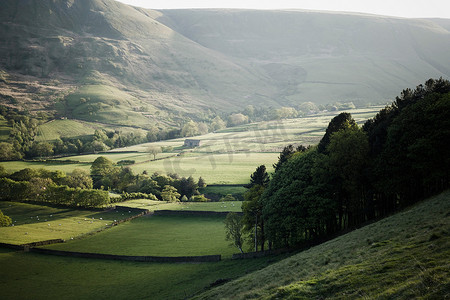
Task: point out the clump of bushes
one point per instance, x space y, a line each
228 197
129 196
4 220
199 198
126 162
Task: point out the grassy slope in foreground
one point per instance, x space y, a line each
404 256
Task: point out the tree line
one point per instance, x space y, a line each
356 173
39 185
107 175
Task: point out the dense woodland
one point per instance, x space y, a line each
355 174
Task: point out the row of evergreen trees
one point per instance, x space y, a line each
355 174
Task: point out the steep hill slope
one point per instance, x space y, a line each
404 256
100 45
101 60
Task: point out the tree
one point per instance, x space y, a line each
201 183
252 218
170 194
41 149
259 177
217 124
233 227
237 119
79 179
153 150
284 156
341 121
189 129
286 112
102 172
7 152
348 152
4 220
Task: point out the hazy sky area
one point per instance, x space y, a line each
399 8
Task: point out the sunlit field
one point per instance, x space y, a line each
33 223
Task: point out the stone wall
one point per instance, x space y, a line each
176 259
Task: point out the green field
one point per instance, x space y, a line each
159 236
77 129
33 223
152 205
34 276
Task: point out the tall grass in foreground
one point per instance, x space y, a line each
404 256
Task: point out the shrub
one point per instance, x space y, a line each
228 197
199 198
4 220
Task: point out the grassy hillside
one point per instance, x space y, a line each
403 256
78 129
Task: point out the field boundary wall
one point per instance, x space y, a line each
175 259
192 213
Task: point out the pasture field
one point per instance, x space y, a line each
33 223
223 190
232 168
34 276
13 166
234 206
52 130
161 235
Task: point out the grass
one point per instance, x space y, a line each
404 256
33 276
14 166
152 205
50 131
104 104
34 223
159 236
233 168
222 190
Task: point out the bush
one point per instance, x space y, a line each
199 198
4 220
228 197
126 162
130 196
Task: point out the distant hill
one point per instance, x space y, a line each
108 62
